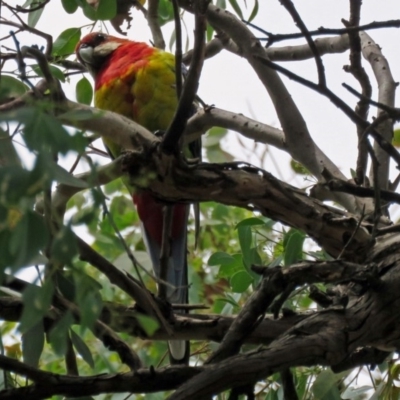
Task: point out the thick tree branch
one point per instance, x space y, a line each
142 381
205 119
330 337
387 86
245 186
186 327
359 73
329 45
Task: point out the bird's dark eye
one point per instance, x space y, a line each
100 38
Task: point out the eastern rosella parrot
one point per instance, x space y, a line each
138 81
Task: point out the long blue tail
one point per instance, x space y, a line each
177 272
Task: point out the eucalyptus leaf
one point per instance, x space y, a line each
33 344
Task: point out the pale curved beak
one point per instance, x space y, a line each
86 54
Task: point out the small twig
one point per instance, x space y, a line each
165 251
388 229
171 139
53 83
20 9
393 112
289 390
341 186
377 190
189 307
213 47
152 20
128 251
351 238
272 38
24 27
320 297
278 303
237 392
288 4
178 49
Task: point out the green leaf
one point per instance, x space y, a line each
34 16
70 6
106 10
240 281
36 301
87 9
90 305
123 212
214 136
299 168
43 132
220 258
396 138
228 304
66 42
26 242
165 12
64 247
255 259
14 181
293 247
236 7
66 284
250 222
245 241
56 72
63 176
325 381
8 154
149 325
84 91
82 348
88 298
58 335
11 87
210 32
33 344
254 12
230 300
277 261
228 269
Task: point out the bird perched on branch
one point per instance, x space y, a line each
138 81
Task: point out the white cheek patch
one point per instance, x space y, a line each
104 49
86 54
